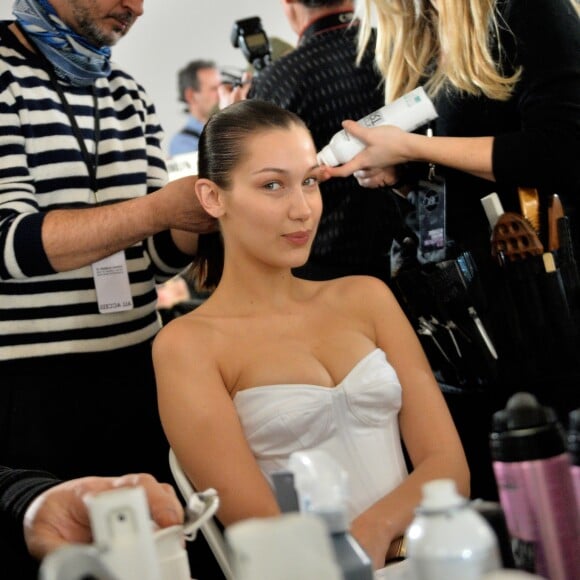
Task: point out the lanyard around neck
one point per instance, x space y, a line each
91 162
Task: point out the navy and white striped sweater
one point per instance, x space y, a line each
43 312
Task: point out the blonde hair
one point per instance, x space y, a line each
450 42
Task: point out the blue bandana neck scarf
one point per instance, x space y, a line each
73 58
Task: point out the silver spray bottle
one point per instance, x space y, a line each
448 539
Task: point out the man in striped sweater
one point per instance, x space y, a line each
88 225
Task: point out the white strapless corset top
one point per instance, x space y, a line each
356 422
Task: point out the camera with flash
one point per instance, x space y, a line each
249 36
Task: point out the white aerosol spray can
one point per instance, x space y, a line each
408 112
448 539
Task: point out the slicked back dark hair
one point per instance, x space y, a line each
222 146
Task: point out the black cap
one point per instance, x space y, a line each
526 431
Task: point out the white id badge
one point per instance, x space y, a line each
112 284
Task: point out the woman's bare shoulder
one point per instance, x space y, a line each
357 287
187 333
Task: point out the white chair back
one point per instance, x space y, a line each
209 529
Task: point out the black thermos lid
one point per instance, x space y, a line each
526 431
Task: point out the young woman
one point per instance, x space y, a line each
272 364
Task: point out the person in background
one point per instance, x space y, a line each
199 83
88 225
233 92
286 364
48 513
323 84
505 80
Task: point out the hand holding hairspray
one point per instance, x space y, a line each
408 112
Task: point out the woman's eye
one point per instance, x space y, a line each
272 186
310 181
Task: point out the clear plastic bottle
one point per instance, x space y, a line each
322 488
408 112
448 539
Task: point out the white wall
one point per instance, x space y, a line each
173 32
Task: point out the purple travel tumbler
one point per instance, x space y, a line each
532 471
574 450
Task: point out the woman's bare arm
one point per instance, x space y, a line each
426 427
388 146
202 425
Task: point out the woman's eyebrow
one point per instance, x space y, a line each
280 170
270 170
